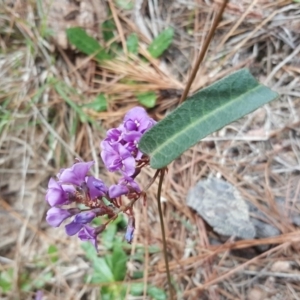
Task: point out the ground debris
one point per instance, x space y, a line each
66 13
222 207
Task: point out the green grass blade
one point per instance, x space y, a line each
208 110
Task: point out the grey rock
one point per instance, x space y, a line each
221 206
262 229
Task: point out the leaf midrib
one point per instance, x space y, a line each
222 107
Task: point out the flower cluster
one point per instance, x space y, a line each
82 197
120 150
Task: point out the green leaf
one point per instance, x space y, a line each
136 288
6 280
108 235
132 43
119 259
205 112
108 28
86 44
90 251
102 271
161 42
148 99
99 104
41 281
137 274
125 4
52 251
156 293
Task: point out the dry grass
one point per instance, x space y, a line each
259 154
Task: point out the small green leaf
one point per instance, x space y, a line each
161 42
156 293
119 259
89 250
97 222
6 280
99 104
108 28
108 235
102 270
136 288
42 280
86 44
148 99
125 4
208 110
52 251
132 43
137 274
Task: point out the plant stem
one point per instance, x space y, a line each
203 51
161 178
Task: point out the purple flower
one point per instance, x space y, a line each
127 180
125 185
137 119
132 138
85 217
130 230
80 219
55 216
55 193
96 187
115 135
88 233
117 157
39 295
76 174
117 190
72 228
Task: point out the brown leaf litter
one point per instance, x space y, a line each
258 155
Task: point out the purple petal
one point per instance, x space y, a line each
132 138
150 124
139 155
55 216
72 228
130 230
128 161
117 157
127 180
96 187
136 112
128 166
55 193
39 295
117 190
84 217
76 174
88 233
109 155
137 119
115 135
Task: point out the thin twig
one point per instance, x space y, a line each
203 51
